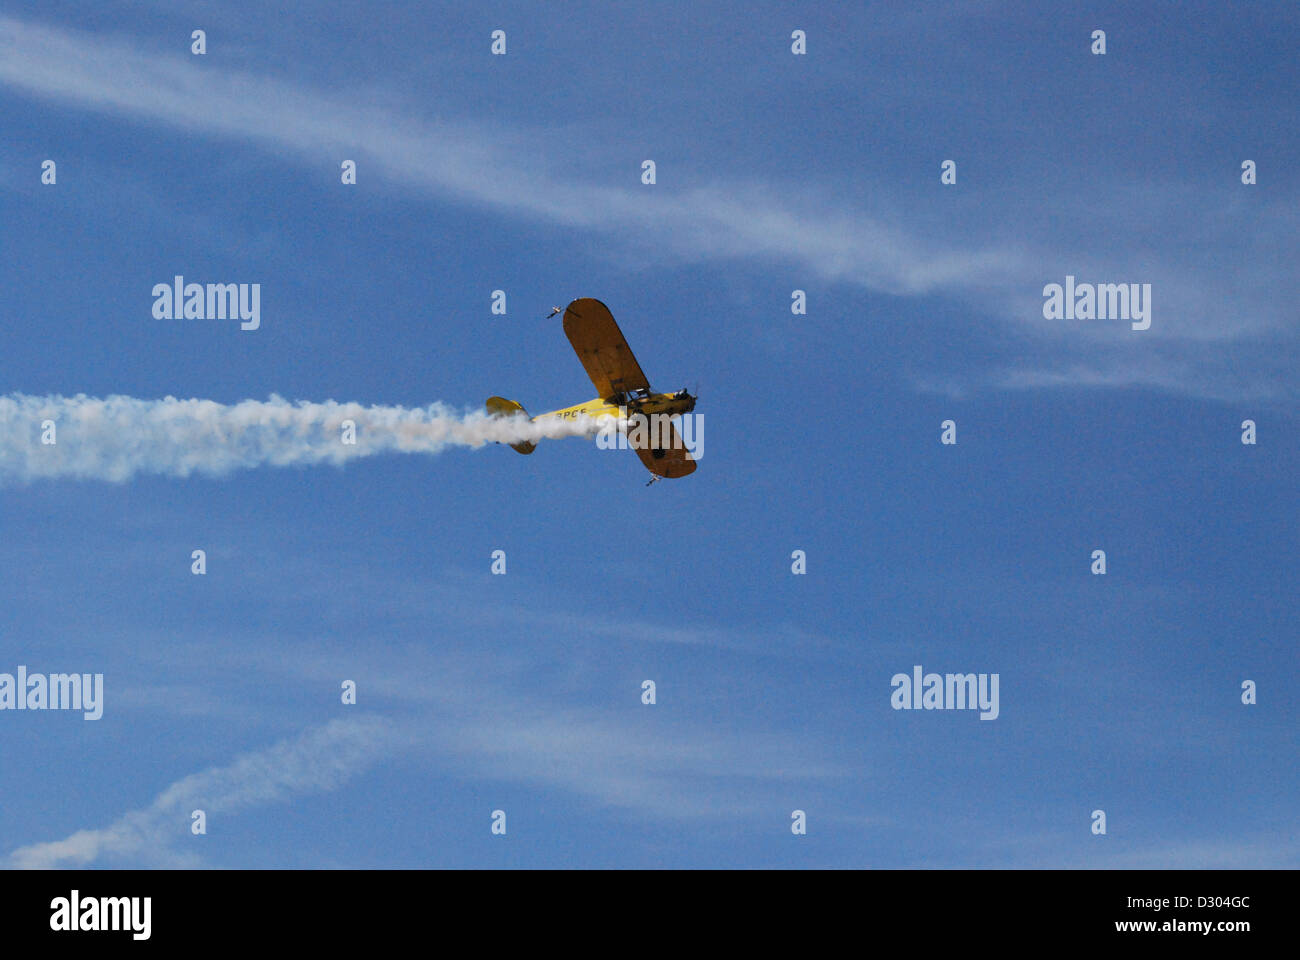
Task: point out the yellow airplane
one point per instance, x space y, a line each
620 383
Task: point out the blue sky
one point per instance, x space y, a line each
775 172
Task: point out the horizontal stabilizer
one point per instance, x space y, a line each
501 407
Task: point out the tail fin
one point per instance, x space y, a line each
501 407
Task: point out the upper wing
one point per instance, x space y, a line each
600 346
668 457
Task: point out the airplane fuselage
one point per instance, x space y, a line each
669 404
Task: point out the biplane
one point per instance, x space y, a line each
622 391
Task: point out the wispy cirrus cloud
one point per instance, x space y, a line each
464 723
318 760
1221 265
466 161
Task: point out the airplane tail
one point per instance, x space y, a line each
501 407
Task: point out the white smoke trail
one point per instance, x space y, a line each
115 438
318 760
